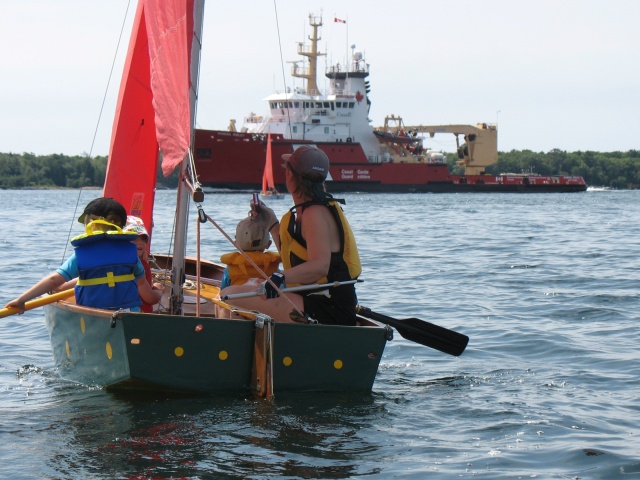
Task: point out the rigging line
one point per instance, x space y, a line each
95 133
113 63
284 80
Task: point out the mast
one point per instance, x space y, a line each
312 54
183 194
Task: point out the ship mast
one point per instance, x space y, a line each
312 54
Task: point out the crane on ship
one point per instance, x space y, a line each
478 150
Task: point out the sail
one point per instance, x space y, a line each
170 25
267 177
152 112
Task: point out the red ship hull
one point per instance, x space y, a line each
235 161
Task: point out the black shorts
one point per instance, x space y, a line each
326 311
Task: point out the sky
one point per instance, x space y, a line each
551 73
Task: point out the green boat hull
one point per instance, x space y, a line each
211 355
326 357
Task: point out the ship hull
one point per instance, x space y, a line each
235 161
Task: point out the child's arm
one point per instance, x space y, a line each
67 285
47 284
147 293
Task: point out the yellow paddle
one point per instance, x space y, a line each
38 302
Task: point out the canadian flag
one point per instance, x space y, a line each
337 20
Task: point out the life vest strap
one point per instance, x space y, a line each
110 279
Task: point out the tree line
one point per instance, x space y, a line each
27 170
614 169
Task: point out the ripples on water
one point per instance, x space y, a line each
545 286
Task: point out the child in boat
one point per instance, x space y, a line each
253 239
104 266
136 225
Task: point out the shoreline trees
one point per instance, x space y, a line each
619 170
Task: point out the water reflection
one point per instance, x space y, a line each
302 436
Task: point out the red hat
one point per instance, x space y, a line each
307 160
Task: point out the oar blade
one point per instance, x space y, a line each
435 336
422 332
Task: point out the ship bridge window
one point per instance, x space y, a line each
315 120
326 105
318 104
338 104
274 105
352 104
296 104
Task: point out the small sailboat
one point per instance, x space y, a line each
269 190
183 346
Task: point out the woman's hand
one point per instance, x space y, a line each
264 216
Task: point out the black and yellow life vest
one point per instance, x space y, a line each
106 262
240 270
345 264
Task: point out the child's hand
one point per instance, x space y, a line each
16 304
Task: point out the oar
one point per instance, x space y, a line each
38 302
422 332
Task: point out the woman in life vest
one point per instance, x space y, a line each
104 266
316 244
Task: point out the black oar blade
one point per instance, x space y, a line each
422 332
440 338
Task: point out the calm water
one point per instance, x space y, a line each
546 287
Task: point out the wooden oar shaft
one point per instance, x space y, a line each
38 302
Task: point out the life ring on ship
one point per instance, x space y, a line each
348 139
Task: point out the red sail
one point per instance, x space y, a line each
170 26
153 111
267 177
